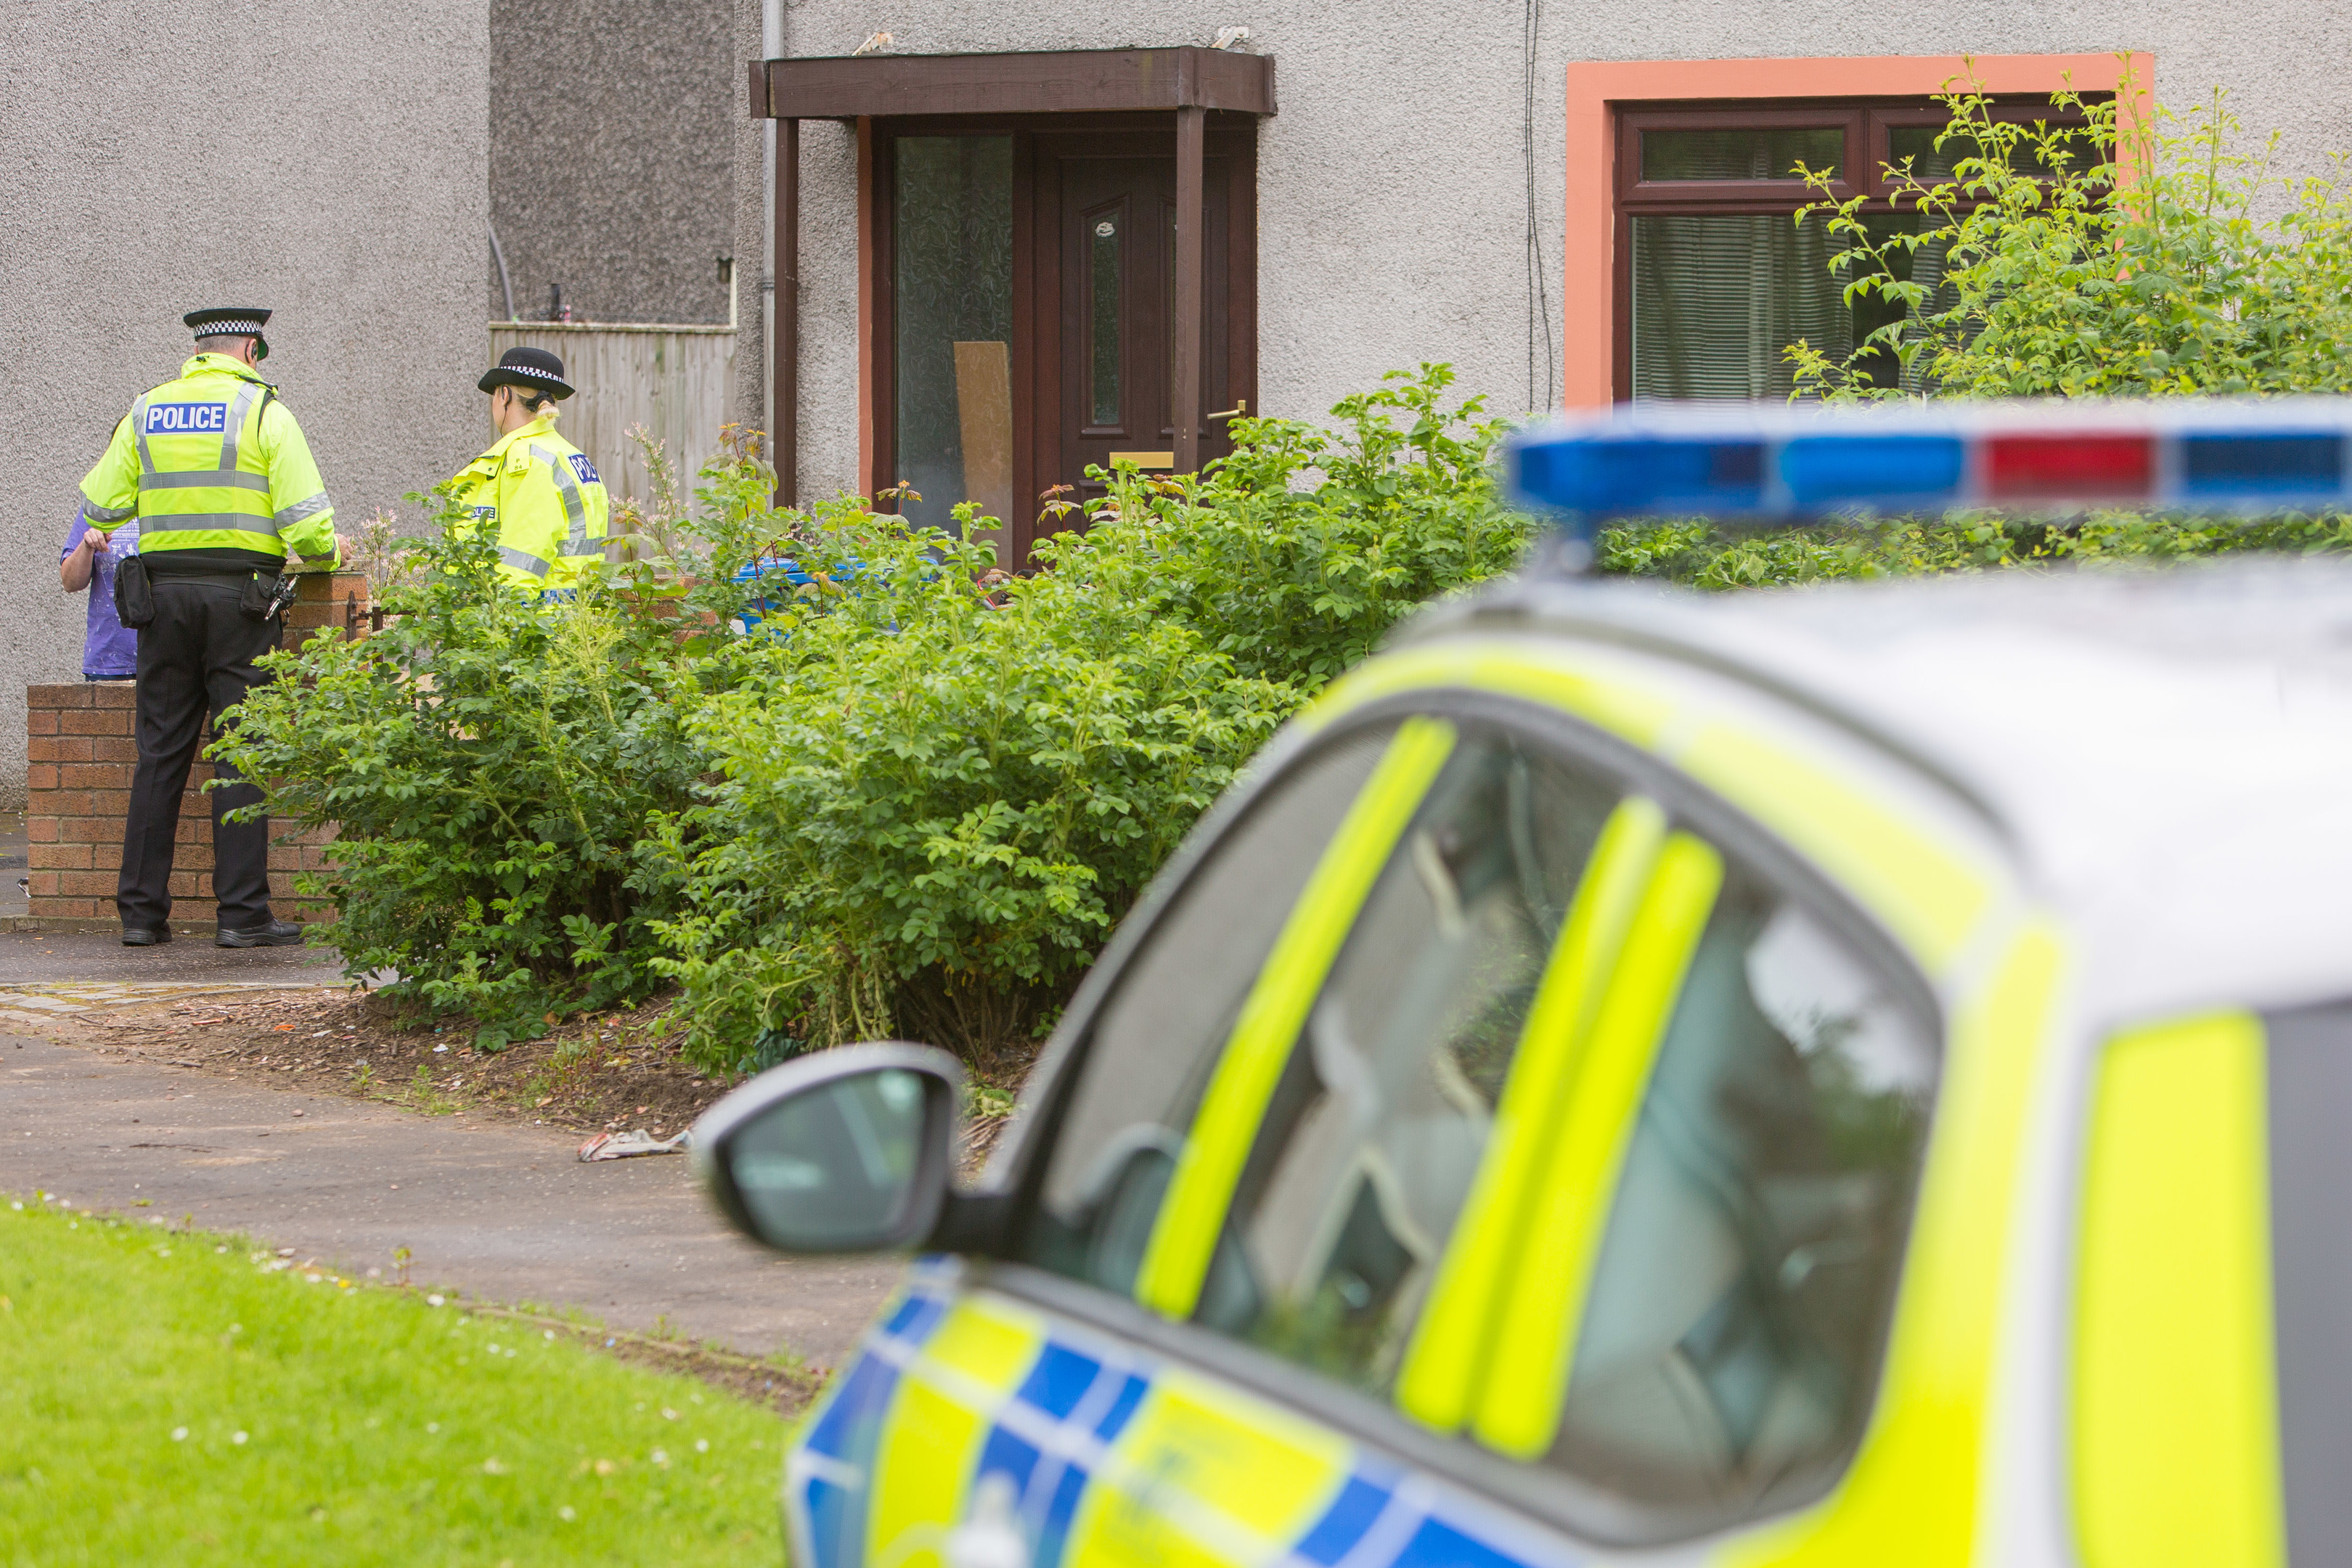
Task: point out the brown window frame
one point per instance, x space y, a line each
1866 123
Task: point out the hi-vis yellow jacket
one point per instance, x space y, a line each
212 461
542 497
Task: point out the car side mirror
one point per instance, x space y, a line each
851 1149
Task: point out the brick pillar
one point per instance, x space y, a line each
326 599
80 751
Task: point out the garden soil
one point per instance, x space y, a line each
604 1072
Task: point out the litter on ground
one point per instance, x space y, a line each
627 1145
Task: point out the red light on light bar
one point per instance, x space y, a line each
2090 467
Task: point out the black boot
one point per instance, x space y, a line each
146 936
277 933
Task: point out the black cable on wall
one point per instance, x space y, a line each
1538 282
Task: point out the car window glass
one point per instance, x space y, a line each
1375 1132
1151 1052
1739 1301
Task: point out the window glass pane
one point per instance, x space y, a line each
1160 1033
1375 1129
1740 1300
953 301
1931 164
1719 299
1104 274
1733 154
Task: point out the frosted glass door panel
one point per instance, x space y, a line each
952 213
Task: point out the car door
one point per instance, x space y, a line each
973 1412
2210 1416
1469 1159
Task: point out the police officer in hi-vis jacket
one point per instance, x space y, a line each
534 492
215 469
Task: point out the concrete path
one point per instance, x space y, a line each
502 1213
100 957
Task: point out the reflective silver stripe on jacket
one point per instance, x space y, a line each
204 479
139 431
107 514
521 562
182 522
308 507
575 505
236 414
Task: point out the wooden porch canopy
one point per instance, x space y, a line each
1189 81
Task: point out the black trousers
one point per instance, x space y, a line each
196 659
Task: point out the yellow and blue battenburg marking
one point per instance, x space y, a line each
1781 463
1111 1456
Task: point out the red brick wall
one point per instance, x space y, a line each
78 790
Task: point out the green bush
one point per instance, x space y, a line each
933 809
2039 269
1297 580
915 802
491 764
936 800
1707 556
2036 271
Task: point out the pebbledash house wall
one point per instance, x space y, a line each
1395 194
612 155
328 161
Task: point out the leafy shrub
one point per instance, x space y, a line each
1704 556
1297 581
934 809
2038 270
937 798
492 764
917 801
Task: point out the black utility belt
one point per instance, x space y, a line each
259 596
226 578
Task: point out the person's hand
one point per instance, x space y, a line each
93 542
342 547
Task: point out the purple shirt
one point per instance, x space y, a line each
110 649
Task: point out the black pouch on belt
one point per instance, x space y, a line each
254 602
134 595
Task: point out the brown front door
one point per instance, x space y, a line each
1022 286
1118 250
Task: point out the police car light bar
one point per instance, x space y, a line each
1779 463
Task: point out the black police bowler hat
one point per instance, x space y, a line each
528 367
232 322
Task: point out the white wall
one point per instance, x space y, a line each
326 160
1392 195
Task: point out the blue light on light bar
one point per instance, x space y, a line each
1823 470
2053 456
2254 464
1640 474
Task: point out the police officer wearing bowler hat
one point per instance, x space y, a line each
533 492
216 471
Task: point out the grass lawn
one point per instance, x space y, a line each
169 1396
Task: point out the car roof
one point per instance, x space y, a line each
2164 754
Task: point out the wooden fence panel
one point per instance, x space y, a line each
678 381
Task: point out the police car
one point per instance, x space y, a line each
1847 1077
